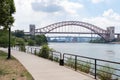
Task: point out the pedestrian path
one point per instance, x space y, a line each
43 69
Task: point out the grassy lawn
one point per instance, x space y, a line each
12 69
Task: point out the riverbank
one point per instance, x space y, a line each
12 69
115 42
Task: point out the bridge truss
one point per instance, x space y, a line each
60 27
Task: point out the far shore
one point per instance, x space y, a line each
115 42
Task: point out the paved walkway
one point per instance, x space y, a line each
43 69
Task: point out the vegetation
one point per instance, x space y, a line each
98 40
44 52
31 42
84 67
105 73
40 40
70 62
20 42
18 33
56 59
81 66
12 69
4 39
7 8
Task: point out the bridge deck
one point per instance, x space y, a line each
42 69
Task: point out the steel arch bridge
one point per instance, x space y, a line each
105 34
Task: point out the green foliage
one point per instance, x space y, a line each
35 52
103 75
98 40
18 33
22 48
44 52
70 62
84 67
56 59
4 39
20 41
31 42
40 40
7 8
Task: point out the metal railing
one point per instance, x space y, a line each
96 67
53 55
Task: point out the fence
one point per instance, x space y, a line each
97 67
103 69
53 55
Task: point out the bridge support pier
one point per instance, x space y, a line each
32 31
118 37
111 34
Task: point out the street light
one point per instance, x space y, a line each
9 49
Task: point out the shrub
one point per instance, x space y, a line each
103 75
44 52
70 62
20 41
35 52
56 59
31 42
22 48
84 67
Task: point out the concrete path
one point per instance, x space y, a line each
43 69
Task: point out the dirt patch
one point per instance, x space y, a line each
12 70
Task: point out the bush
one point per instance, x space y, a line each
84 67
41 40
44 52
70 62
22 48
103 75
20 41
31 42
56 59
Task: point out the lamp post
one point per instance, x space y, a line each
9 48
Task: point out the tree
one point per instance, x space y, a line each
40 39
31 42
7 8
4 39
19 33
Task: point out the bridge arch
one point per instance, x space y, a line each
101 32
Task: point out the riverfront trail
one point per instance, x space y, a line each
43 69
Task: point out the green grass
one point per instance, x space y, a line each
12 70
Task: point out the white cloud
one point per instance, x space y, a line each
71 7
25 15
111 15
56 5
97 1
108 18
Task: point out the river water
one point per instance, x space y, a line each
101 51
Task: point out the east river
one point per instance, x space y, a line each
101 51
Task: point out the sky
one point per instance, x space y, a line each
102 13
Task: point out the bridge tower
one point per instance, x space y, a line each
111 33
32 29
